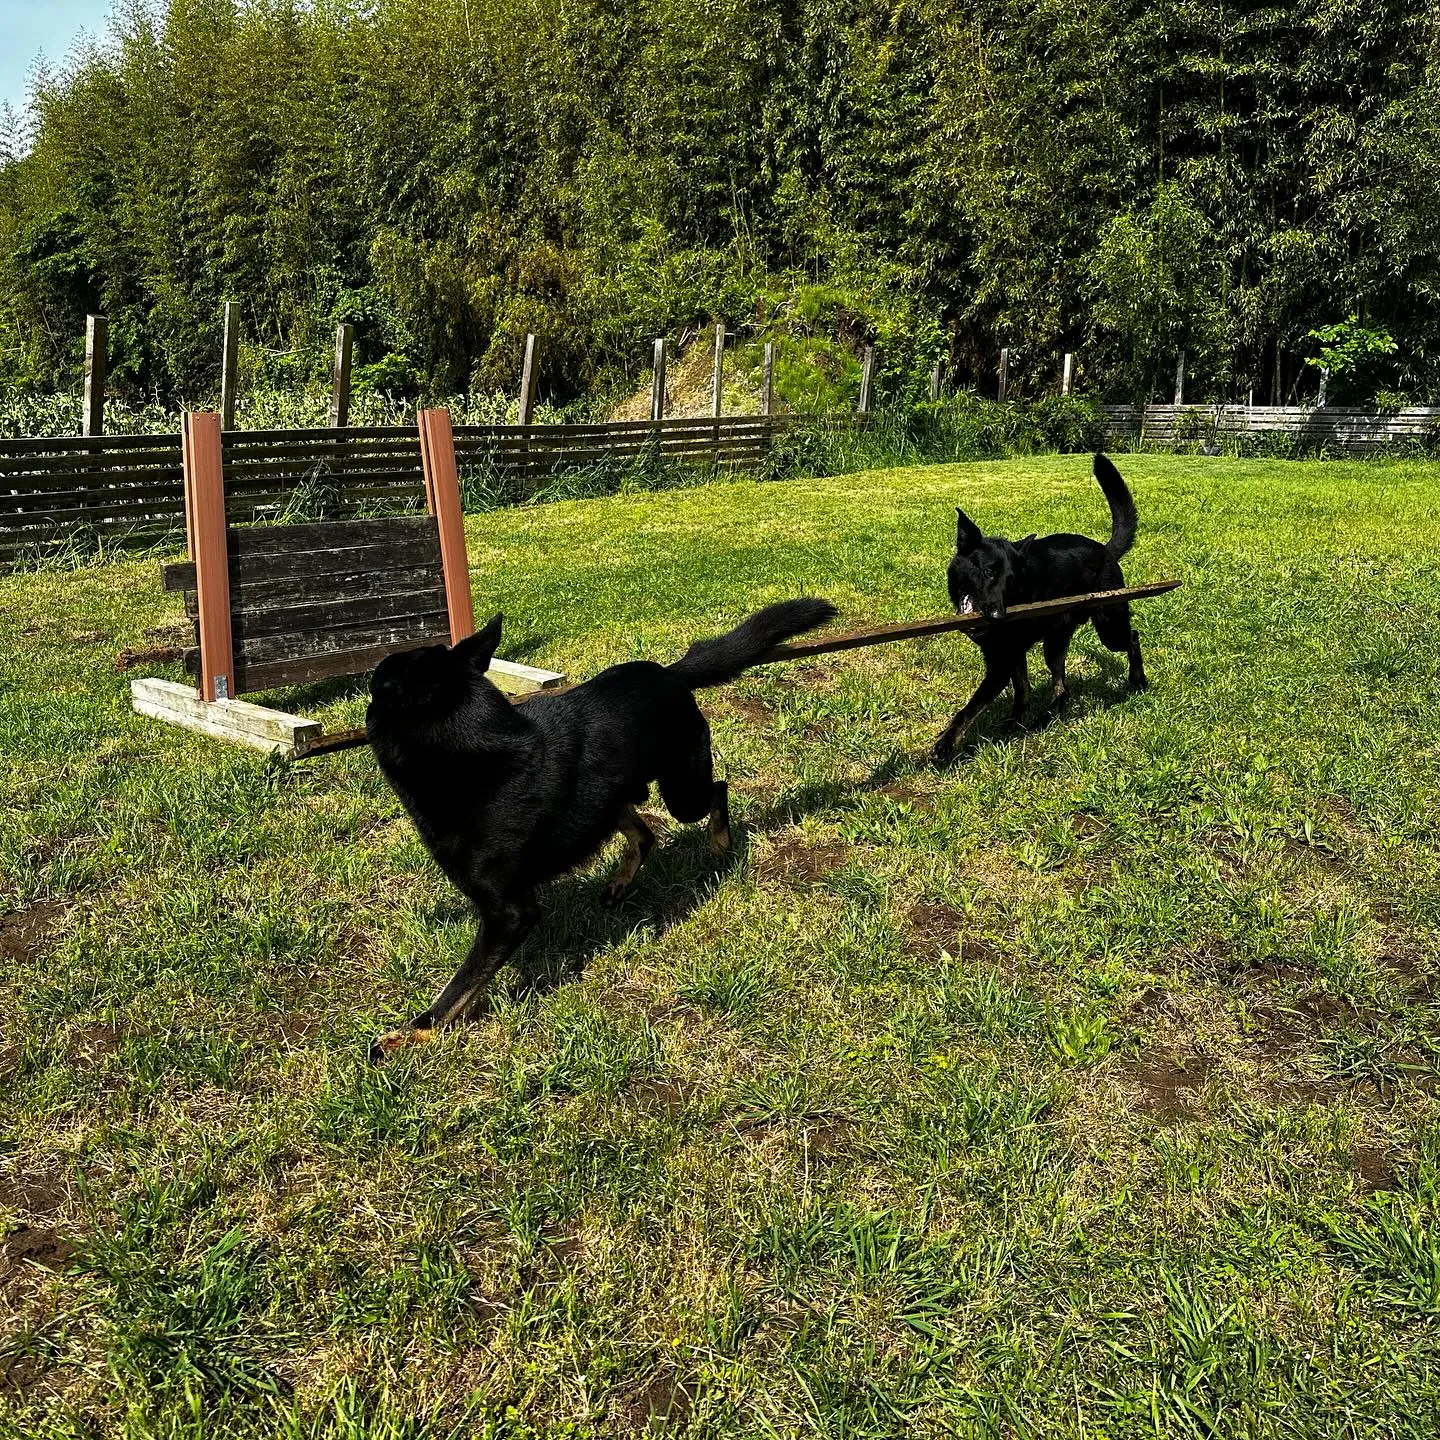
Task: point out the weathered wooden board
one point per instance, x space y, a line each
234 720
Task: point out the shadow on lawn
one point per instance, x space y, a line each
1088 695
676 880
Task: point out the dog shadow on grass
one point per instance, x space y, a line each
679 876
1089 694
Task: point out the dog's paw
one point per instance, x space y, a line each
942 754
613 896
397 1039
1139 682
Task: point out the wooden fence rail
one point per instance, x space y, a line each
128 487
1346 430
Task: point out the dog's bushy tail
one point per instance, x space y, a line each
1124 518
726 657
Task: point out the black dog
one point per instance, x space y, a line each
989 574
507 796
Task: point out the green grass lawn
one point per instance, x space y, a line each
1087 1089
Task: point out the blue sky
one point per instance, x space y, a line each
29 26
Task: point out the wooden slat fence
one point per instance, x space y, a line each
1342 429
128 487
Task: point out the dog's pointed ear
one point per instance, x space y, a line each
967 532
478 650
1023 546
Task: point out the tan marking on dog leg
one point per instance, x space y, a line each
721 840
636 834
397 1039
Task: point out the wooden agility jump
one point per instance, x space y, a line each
860 639
282 605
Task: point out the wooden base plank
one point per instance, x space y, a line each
516 679
235 720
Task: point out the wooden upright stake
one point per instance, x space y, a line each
1180 379
937 378
209 549
529 380
657 383
1004 373
1067 378
1324 385
767 382
442 495
340 377
92 418
867 382
228 362
715 390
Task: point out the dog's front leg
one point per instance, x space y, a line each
495 941
996 679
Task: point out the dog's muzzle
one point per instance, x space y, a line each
994 612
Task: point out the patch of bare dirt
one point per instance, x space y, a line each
934 925
23 932
34 1246
662 1403
91 637
802 864
753 709
663 1097
1170 1088
34 1194
1372 1167
97 1041
1410 975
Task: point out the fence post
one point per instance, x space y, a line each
228 361
206 532
92 416
937 378
1180 379
715 381
1004 373
1324 385
767 383
1067 378
529 380
867 382
657 383
340 377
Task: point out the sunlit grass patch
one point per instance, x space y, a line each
1088 1088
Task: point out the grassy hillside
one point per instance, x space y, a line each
1086 1089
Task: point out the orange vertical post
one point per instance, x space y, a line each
442 496
209 549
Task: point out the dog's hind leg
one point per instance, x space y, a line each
495 941
639 841
1116 633
997 677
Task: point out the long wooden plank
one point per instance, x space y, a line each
940 624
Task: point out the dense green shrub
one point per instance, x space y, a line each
1116 178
